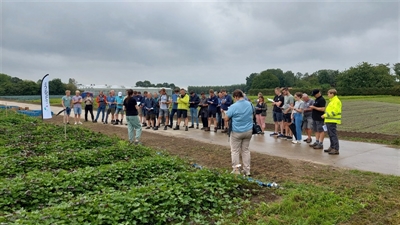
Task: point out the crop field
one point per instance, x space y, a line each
92 178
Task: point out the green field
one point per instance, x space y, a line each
90 178
377 114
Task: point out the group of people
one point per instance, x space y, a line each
291 114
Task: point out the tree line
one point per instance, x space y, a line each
11 86
147 83
362 76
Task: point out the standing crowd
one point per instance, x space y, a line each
291 114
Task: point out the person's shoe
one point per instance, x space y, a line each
143 125
224 130
281 136
328 150
191 126
314 144
170 126
197 127
207 129
155 128
94 121
85 120
186 128
202 128
235 171
176 128
147 128
262 133
138 143
165 128
319 146
75 123
67 122
273 134
308 140
289 138
218 128
294 142
215 130
333 152
79 122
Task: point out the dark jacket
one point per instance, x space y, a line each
149 105
212 103
228 102
194 99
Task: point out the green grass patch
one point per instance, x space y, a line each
303 204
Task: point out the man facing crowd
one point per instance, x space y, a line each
333 116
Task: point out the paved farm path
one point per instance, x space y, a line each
353 155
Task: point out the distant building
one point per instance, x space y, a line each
95 89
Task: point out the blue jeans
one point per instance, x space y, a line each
101 109
171 116
193 115
298 120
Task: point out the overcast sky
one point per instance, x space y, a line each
192 43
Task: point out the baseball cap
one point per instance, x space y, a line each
119 93
314 92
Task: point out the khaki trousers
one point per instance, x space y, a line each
240 145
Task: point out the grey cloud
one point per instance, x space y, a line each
193 43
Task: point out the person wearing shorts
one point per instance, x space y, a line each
77 102
149 107
307 118
318 110
119 109
66 102
164 109
277 114
287 112
183 107
212 102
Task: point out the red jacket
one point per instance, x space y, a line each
104 99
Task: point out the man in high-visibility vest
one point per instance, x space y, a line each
332 117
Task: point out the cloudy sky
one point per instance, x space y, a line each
192 43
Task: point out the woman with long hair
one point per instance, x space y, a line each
132 111
297 116
261 113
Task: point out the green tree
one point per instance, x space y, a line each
279 74
396 68
249 81
289 79
366 75
56 87
265 80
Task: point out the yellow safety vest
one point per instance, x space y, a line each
333 112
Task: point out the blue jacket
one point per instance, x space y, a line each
174 99
228 102
149 105
212 103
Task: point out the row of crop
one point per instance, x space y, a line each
42 189
39 138
199 197
68 160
